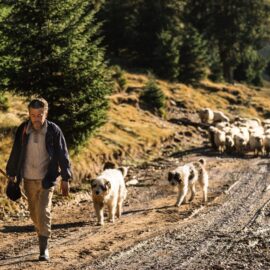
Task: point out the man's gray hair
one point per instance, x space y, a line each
38 103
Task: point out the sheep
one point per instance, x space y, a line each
266 122
241 141
266 127
206 115
222 125
229 143
267 144
220 117
267 131
256 143
219 139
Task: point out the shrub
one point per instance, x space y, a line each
153 97
119 77
3 102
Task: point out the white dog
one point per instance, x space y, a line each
186 177
109 189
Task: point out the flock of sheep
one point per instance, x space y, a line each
240 135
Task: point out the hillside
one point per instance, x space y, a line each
133 135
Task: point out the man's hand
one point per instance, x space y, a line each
65 188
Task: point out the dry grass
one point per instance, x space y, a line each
128 133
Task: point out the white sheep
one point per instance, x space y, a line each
220 117
266 122
222 126
219 139
229 143
256 143
267 144
206 115
240 142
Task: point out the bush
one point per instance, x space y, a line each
153 97
119 77
193 57
3 103
267 69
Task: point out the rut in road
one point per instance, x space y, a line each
222 236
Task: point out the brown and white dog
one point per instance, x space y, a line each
186 176
109 189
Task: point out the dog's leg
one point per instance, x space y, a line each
203 181
120 203
112 209
181 196
193 192
99 212
205 194
119 209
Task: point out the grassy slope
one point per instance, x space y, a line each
131 132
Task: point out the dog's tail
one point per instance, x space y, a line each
202 161
123 170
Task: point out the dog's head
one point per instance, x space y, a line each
100 187
174 178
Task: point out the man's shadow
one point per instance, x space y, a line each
30 228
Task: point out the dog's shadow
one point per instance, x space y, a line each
145 210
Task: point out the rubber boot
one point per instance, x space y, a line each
43 248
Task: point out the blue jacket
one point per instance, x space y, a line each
57 150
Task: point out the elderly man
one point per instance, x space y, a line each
39 155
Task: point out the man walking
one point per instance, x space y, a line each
39 151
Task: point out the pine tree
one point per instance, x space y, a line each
231 27
166 55
55 53
146 33
193 57
250 68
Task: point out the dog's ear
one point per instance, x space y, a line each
108 185
177 176
93 183
170 176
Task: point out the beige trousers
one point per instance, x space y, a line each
39 204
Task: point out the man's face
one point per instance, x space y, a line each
37 117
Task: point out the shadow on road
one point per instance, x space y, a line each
210 152
30 228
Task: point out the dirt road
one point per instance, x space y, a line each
231 232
